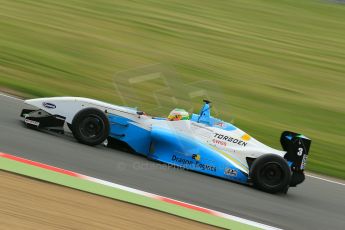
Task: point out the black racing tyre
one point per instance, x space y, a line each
90 126
271 173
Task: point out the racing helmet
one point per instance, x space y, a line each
178 115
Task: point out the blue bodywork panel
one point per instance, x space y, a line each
125 130
182 151
177 149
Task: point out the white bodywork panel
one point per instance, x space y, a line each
69 106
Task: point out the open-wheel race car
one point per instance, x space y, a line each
197 142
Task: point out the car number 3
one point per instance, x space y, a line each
300 152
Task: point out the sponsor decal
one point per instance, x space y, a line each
230 139
220 124
181 160
218 142
230 172
194 164
205 167
196 157
49 105
304 162
31 122
245 137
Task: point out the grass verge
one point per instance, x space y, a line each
102 190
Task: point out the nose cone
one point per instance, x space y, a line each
42 103
36 102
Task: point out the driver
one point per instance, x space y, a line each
178 115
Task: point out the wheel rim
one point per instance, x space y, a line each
92 127
271 174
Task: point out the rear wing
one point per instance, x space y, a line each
297 147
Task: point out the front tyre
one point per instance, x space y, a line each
90 126
271 173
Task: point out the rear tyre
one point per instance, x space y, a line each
271 173
90 126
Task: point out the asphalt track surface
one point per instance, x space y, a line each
315 204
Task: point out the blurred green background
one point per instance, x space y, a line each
273 65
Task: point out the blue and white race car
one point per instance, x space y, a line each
197 142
